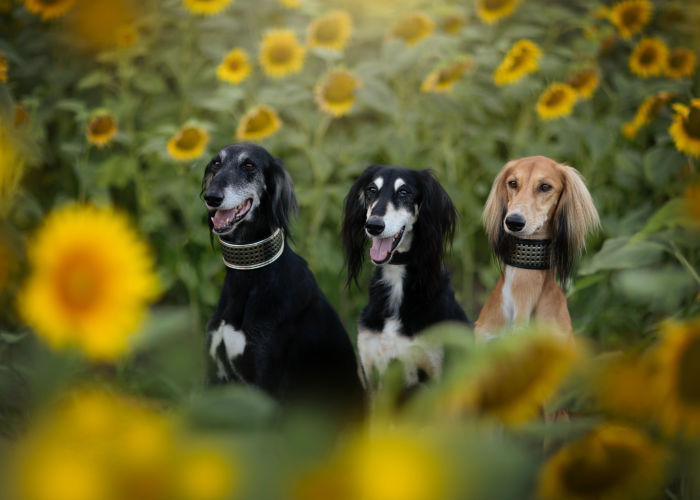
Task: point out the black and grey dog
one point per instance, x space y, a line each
273 328
409 219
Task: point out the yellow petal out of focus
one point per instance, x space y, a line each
443 80
336 93
556 101
609 463
646 112
258 123
413 28
12 163
49 9
648 58
685 129
91 279
520 60
104 25
281 54
331 31
3 67
630 16
585 82
235 67
188 143
101 129
206 7
205 474
490 11
681 63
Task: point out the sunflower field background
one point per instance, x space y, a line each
109 111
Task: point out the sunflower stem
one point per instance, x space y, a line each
681 258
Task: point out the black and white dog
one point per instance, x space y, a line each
273 328
410 220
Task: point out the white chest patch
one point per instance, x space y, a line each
392 276
508 304
234 344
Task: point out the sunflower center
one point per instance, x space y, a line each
555 98
340 88
603 467
648 56
327 31
409 29
79 282
259 122
495 4
281 53
677 60
188 139
519 59
234 63
691 124
631 17
689 374
581 79
101 125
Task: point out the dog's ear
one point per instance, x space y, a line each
283 202
353 231
435 227
206 179
495 211
574 217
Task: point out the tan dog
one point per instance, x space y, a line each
537 217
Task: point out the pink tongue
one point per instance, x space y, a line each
222 216
380 248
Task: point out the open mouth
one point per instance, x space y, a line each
224 220
383 248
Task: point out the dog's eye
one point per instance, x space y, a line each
545 187
248 166
216 164
513 184
372 189
403 192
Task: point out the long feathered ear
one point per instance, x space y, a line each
574 218
353 231
495 211
283 202
206 179
435 227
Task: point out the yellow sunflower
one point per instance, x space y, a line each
8 262
681 63
235 67
3 67
608 463
330 31
520 60
679 359
491 11
126 36
101 129
685 128
258 123
443 80
646 112
557 100
630 16
12 162
413 28
205 474
518 377
188 143
691 197
290 4
335 94
280 53
206 7
49 9
91 279
649 57
453 23
584 82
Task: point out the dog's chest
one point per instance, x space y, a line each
226 346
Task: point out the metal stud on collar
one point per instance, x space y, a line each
530 254
253 255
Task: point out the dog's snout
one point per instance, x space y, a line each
374 225
515 222
213 198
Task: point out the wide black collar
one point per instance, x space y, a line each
249 256
529 254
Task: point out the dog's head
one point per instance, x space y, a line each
399 210
247 191
538 198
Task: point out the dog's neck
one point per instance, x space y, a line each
248 256
529 254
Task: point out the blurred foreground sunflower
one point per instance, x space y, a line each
101 129
443 80
649 57
126 36
520 60
630 16
290 4
557 100
188 143
679 368
491 11
608 463
206 7
280 53
105 24
49 9
12 163
258 123
235 67
681 63
4 65
685 128
335 94
515 380
453 23
646 112
330 31
91 279
413 28
584 82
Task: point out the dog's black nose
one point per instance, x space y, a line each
515 222
213 199
374 226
